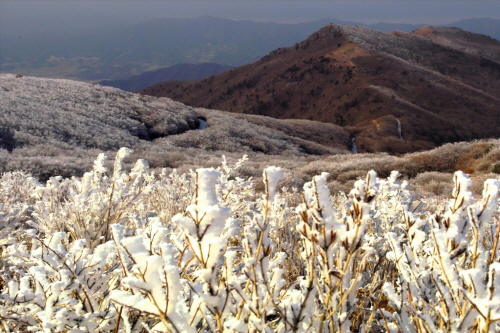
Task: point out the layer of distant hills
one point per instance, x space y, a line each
122 51
395 92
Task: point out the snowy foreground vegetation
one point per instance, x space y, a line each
118 251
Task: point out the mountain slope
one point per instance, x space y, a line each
53 126
44 111
461 40
178 72
58 127
372 83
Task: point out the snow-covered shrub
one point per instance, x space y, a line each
432 182
87 207
14 203
447 267
57 285
134 251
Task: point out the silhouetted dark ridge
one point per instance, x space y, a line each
394 91
484 25
178 72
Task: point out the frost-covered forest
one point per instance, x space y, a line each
131 250
52 127
38 111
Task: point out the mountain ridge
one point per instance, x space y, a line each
367 81
177 72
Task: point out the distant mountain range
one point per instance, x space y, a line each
395 92
485 26
179 72
123 51
128 50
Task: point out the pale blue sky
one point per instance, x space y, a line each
28 17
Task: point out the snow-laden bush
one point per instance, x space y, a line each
205 252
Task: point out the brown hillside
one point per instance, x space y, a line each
465 41
366 81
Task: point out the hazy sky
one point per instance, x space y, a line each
25 17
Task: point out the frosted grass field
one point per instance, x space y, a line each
134 251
